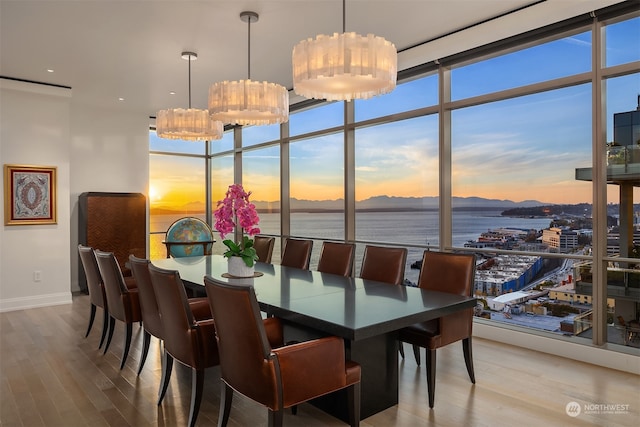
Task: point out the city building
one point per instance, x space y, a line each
503 274
560 239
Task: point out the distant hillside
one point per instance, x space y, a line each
580 209
377 203
388 203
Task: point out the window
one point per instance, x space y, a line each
419 93
176 190
563 57
396 176
252 135
175 145
261 176
324 116
622 42
317 187
521 142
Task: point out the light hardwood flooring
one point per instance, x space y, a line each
50 375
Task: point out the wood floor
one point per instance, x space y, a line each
52 376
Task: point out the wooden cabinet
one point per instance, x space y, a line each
113 222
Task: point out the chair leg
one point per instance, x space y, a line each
226 397
353 396
105 325
146 341
92 316
197 385
468 358
167 367
401 349
431 375
112 326
275 418
127 344
416 353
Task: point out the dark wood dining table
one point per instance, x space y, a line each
366 313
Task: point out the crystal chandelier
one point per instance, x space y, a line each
344 66
247 102
191 124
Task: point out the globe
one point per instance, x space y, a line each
189 230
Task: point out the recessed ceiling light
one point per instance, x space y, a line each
172 93
49 70
120 99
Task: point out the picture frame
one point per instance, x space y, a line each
30 195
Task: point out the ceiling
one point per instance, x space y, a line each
110 49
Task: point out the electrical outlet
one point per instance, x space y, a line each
37 276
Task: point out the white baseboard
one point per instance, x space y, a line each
619 360
23 303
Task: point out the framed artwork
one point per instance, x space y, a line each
29 195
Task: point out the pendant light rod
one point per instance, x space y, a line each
189 56
344 16
249 17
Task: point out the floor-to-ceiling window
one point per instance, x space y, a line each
511 144
622 115
177 186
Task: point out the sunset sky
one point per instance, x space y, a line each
525 148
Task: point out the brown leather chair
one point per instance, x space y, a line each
384 264
97 297
455 274
297 253
264 247
149 306
277 378
337 258
191 342
122 302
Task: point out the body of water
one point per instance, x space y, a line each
409 228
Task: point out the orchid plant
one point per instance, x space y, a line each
236 210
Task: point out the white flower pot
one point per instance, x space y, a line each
237 267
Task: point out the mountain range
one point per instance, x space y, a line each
377 203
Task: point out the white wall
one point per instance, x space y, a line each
93 150
110 153
34 130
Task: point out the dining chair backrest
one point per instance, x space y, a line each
337 258
384 264
264 247
190 341
242 341
148 303
177 319
448 272
279 377
453 273
297 253
92 273
115 288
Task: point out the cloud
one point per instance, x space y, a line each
366 169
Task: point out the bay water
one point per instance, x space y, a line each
407 228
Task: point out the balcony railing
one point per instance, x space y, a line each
621 282
623 164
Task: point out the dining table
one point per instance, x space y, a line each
367 314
